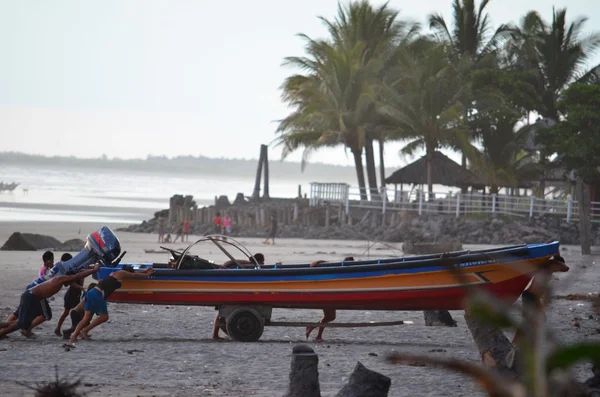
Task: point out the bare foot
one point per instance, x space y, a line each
69 345
216 337
57 332
28 334
85 335
319 340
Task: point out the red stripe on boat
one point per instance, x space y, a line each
96 237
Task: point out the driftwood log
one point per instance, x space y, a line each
364 382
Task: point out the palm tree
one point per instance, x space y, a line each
379 31
423 100
331 101
556 53
470 41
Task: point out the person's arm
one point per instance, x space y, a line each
79 276
122 274
76 285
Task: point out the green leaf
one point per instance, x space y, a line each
490 311
566 356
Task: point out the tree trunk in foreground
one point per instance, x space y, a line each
494 347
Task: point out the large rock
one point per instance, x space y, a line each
34 242
364 382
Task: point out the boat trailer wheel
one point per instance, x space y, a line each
245 325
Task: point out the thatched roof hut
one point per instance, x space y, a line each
444 171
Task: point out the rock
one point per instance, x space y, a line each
30 242
439 318
74 244
364 382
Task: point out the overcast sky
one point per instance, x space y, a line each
129 78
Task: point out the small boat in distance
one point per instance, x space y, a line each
430 282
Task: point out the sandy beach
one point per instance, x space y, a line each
167 351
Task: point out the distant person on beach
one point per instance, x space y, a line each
179 234
218 223
532 297
31 307
186 230
44 274
328 314
71 299
95 301
226 225
162 228
272 230
257 258
167 239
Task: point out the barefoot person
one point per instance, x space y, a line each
71 299
257 258
76 314
328 314
31 307
95 301
43 275
534 293
272 230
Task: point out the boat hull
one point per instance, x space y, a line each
397 284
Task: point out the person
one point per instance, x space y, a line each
257 258
43 275
186 230
218 223
179 234
95 301
329 315
533 294
48 259
76 314
167 239
31 307
226 225
162 228
272 230
71 299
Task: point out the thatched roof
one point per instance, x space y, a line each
444 171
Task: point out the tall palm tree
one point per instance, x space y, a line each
471 41
378 30
331 101
423 100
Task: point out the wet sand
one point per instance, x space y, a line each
167 350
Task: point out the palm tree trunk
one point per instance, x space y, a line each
371 172
429 155
381 164
360 176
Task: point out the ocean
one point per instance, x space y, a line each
63 194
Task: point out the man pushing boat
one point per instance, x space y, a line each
31 305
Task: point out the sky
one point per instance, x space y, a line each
131 78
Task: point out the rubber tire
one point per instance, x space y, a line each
245 325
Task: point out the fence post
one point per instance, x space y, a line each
569 209
383 198
420 202
347 200
457 205
531 203
494 203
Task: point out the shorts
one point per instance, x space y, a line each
271 234
31 307
94 302
228 229
72 298
45 306
217 229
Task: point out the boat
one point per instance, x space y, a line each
429 282
246 294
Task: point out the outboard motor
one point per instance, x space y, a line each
101 246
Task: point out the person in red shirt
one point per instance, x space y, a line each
186 230
218 222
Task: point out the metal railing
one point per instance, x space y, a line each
456 203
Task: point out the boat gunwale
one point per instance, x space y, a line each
390 264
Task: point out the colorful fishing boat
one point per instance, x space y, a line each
431 282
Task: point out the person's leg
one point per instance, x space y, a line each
215 334
12 317
60 322
328 316
86 319
8 330
102 318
